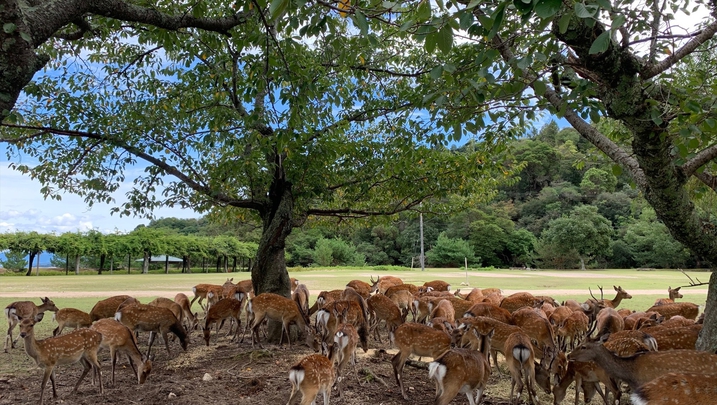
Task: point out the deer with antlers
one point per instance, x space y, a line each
117 338
462 370
620 295
361 287
382 283
19 310
382 308
77 346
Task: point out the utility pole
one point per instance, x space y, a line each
423 261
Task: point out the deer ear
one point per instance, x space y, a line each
615 287
491 333
604 338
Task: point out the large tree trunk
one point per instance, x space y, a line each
30 264
103 258
268 273
77 265
145 263
707 339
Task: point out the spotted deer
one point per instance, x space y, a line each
107 307
382 283
491 311
382 308
519 300
77 346
462 370
148 318
677 388
520 358
344 345
188 316
686 309
280 309
620 295
312 375
71 318
117 338
418 339
643 368
201 292
19 310
226 308
361 287
435 285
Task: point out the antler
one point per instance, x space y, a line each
692 282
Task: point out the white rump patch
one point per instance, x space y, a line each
636 400
118 316
296 376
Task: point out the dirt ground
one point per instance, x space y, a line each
232 373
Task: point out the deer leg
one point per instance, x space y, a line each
113 359
165 337
96 365
86 367
45 376
398 361
151 340
327 395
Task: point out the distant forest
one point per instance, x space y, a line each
570 208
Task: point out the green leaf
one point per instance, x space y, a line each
497 18
547 8
582 11
564 22
710 122
436 72
449 67
361 22
693 143
430 44
466 20
523 7
26 37
605 4
656 116
445 39
9 28
539 87
277 8
618 22
616 170
601 43
423 13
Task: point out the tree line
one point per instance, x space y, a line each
103 252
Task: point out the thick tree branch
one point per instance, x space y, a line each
169 169
653 70
700 159
708 179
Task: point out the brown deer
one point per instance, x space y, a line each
539 329
619 296
491 311
418 339
226 308
484 325
314 374
626 347
519 300
280 309
587 376
573 330
189 317
677 388
461 370
672 294
475 295
107 307
520 358
148 318
361 287
411 288
443 309
71 318
677 338
685 309
301 297
382 308
638 335
677 321
435 285
343 347
20 310
170 305
381 284
293 283
642 368
117 338
640 319
325 298
201 292
404 300
77 346
327 323
608 321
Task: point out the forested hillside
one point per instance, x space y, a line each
570 207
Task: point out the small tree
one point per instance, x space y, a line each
583 230
14 260
451 252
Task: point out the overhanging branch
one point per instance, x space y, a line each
700 159
653 70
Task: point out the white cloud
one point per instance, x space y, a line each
22 208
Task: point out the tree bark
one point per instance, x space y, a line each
29 263
145 263
707 340
103 258
268 273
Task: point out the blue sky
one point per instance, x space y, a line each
22 208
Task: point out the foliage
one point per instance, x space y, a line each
336 252
583 231
450 252
651 245
16 261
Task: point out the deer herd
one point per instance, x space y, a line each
546 345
